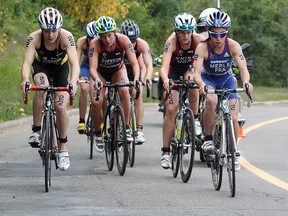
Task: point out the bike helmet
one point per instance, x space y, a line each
91 30
185 22
50 18
130 29
219 20
105 24
201 22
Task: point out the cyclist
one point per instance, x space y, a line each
83 47
106 61
143 54
48 51
177 57
201 22
215 55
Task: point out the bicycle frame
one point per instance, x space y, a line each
49 142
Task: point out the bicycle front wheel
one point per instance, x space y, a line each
90 132
175 158
107 136
120 140
131 145
187 145
231 142
47 141
215 160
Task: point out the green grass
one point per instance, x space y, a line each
261 94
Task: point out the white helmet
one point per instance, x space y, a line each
185 22
219 20
91 30
201 22
50 18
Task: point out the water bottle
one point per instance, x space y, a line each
179 126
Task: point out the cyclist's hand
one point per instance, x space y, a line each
138 88
25 87
203 90
166 85
249 86
148 82
98 84
73 90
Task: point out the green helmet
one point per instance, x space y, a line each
105 24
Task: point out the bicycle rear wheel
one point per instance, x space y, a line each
215 161
187 145
231 142
120 140
131 145
107 135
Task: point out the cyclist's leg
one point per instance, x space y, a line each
84 90
194 102
39 78
171 105
97 113
139 111
209 115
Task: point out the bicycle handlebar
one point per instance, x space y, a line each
119 85
237 90
47 89
180 84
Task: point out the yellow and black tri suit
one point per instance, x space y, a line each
53 63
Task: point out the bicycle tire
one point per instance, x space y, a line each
107 134
90 132
230 155
131 145
215 162
175 159
120 140
48 147
187 145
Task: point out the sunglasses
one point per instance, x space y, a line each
218 35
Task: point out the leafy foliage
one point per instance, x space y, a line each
261 23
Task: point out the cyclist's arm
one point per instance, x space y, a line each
130 53
169 47
147 57
70 46
142 67
237 53
80 46
93 58
200 54
29 54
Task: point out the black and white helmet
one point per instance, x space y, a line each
201 22
185 22
130 29
219 20
50 18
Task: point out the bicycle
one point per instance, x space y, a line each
183 140
114 129
49 138
133 125
224 139
89 130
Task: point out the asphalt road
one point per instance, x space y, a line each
88 188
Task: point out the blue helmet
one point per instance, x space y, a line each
219 20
